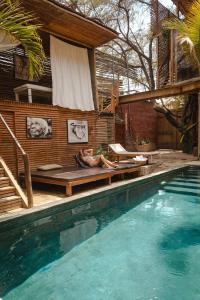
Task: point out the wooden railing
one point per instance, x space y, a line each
114 99
27 171
113 104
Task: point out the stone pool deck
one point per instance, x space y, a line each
45 195
172 159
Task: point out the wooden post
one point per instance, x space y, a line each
112 110
199 125
100 103
92 62
17 97
27 175
171 59
29 96
122 176
69 189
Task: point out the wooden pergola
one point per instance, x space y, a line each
180 88
184 87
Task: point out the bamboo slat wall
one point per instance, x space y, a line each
54 150
105 130
7 148
159 13
7 70
108 69
172 64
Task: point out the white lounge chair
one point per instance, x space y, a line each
119 151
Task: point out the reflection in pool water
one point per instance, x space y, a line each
141 243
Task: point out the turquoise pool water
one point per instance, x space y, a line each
142 243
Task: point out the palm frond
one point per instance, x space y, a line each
23 27
189 30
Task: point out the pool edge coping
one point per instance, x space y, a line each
68 203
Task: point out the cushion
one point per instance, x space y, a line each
49 167
79 162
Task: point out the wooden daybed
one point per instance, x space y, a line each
70 177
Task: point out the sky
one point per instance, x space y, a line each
167 3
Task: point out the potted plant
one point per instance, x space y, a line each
144 145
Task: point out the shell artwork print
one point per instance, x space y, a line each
77 131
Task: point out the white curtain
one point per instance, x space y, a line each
71 76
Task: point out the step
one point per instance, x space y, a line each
9 203
9 198
7 191
4 181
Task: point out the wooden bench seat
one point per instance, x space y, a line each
70 177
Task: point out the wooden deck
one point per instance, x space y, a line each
70 177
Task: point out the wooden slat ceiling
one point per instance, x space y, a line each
183 5
63 22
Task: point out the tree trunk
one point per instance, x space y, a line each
188 119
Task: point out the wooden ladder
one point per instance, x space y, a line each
11 194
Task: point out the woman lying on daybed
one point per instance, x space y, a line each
88 157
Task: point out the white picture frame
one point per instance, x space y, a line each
77 131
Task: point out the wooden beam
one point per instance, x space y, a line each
180 88
92 63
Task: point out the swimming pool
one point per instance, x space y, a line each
140 243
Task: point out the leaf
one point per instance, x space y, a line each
188 31
23 27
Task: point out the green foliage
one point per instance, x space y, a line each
100 151
22 27
189 31
142 141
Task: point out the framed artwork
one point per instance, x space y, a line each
77 131
39 128
22 68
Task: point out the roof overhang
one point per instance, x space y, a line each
61 21
181 88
